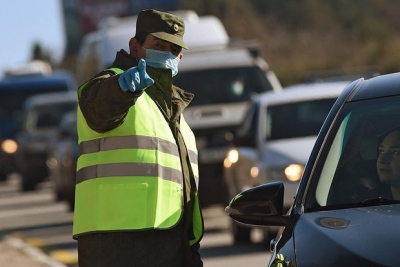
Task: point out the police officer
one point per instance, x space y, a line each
136 201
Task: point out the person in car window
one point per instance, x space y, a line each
388 164
136 201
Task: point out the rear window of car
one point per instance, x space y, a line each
294 120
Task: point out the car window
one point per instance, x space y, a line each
299 119
347 172
249 123
48 116
218 86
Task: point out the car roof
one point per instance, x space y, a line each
300 92
219 58
379 86
50 98
26 81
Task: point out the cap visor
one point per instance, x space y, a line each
170 38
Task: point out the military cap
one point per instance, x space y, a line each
165 26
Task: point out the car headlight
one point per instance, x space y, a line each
51 163
293 172
254 172
231 157
9 146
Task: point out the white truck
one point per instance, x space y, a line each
98 49
223 76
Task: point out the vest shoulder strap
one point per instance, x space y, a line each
112 71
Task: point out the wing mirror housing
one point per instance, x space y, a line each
261 205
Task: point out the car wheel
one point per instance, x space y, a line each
28 182
59 194
71 201
241 234
224 196
3 175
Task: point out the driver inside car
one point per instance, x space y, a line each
388 165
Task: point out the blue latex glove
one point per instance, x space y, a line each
135 78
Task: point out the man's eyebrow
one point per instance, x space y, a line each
161 40
173 45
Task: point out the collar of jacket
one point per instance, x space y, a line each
163 92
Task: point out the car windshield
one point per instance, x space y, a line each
48 116
295 120
220 86
359 167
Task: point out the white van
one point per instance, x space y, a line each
98 49
222 75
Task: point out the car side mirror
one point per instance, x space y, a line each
260 205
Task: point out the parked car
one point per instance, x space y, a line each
43 113
61 162
275 140
338 217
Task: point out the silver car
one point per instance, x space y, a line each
42 116
275 141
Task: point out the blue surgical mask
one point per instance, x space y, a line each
162 60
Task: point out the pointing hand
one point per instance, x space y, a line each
135 78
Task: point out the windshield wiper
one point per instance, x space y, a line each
379 201
365 203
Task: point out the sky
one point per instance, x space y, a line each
24 22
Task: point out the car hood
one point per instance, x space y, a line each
367 236
283 152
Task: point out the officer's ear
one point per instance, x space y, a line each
134 47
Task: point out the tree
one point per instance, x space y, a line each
39 53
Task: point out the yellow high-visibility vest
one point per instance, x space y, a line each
130 178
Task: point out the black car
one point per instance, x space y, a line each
347 208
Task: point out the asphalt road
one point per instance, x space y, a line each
34 220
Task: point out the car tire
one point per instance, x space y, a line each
3 175
71 201
59 195
241 234
28 182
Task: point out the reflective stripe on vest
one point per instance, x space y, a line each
130 177
137 144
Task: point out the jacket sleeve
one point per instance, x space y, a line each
103 104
